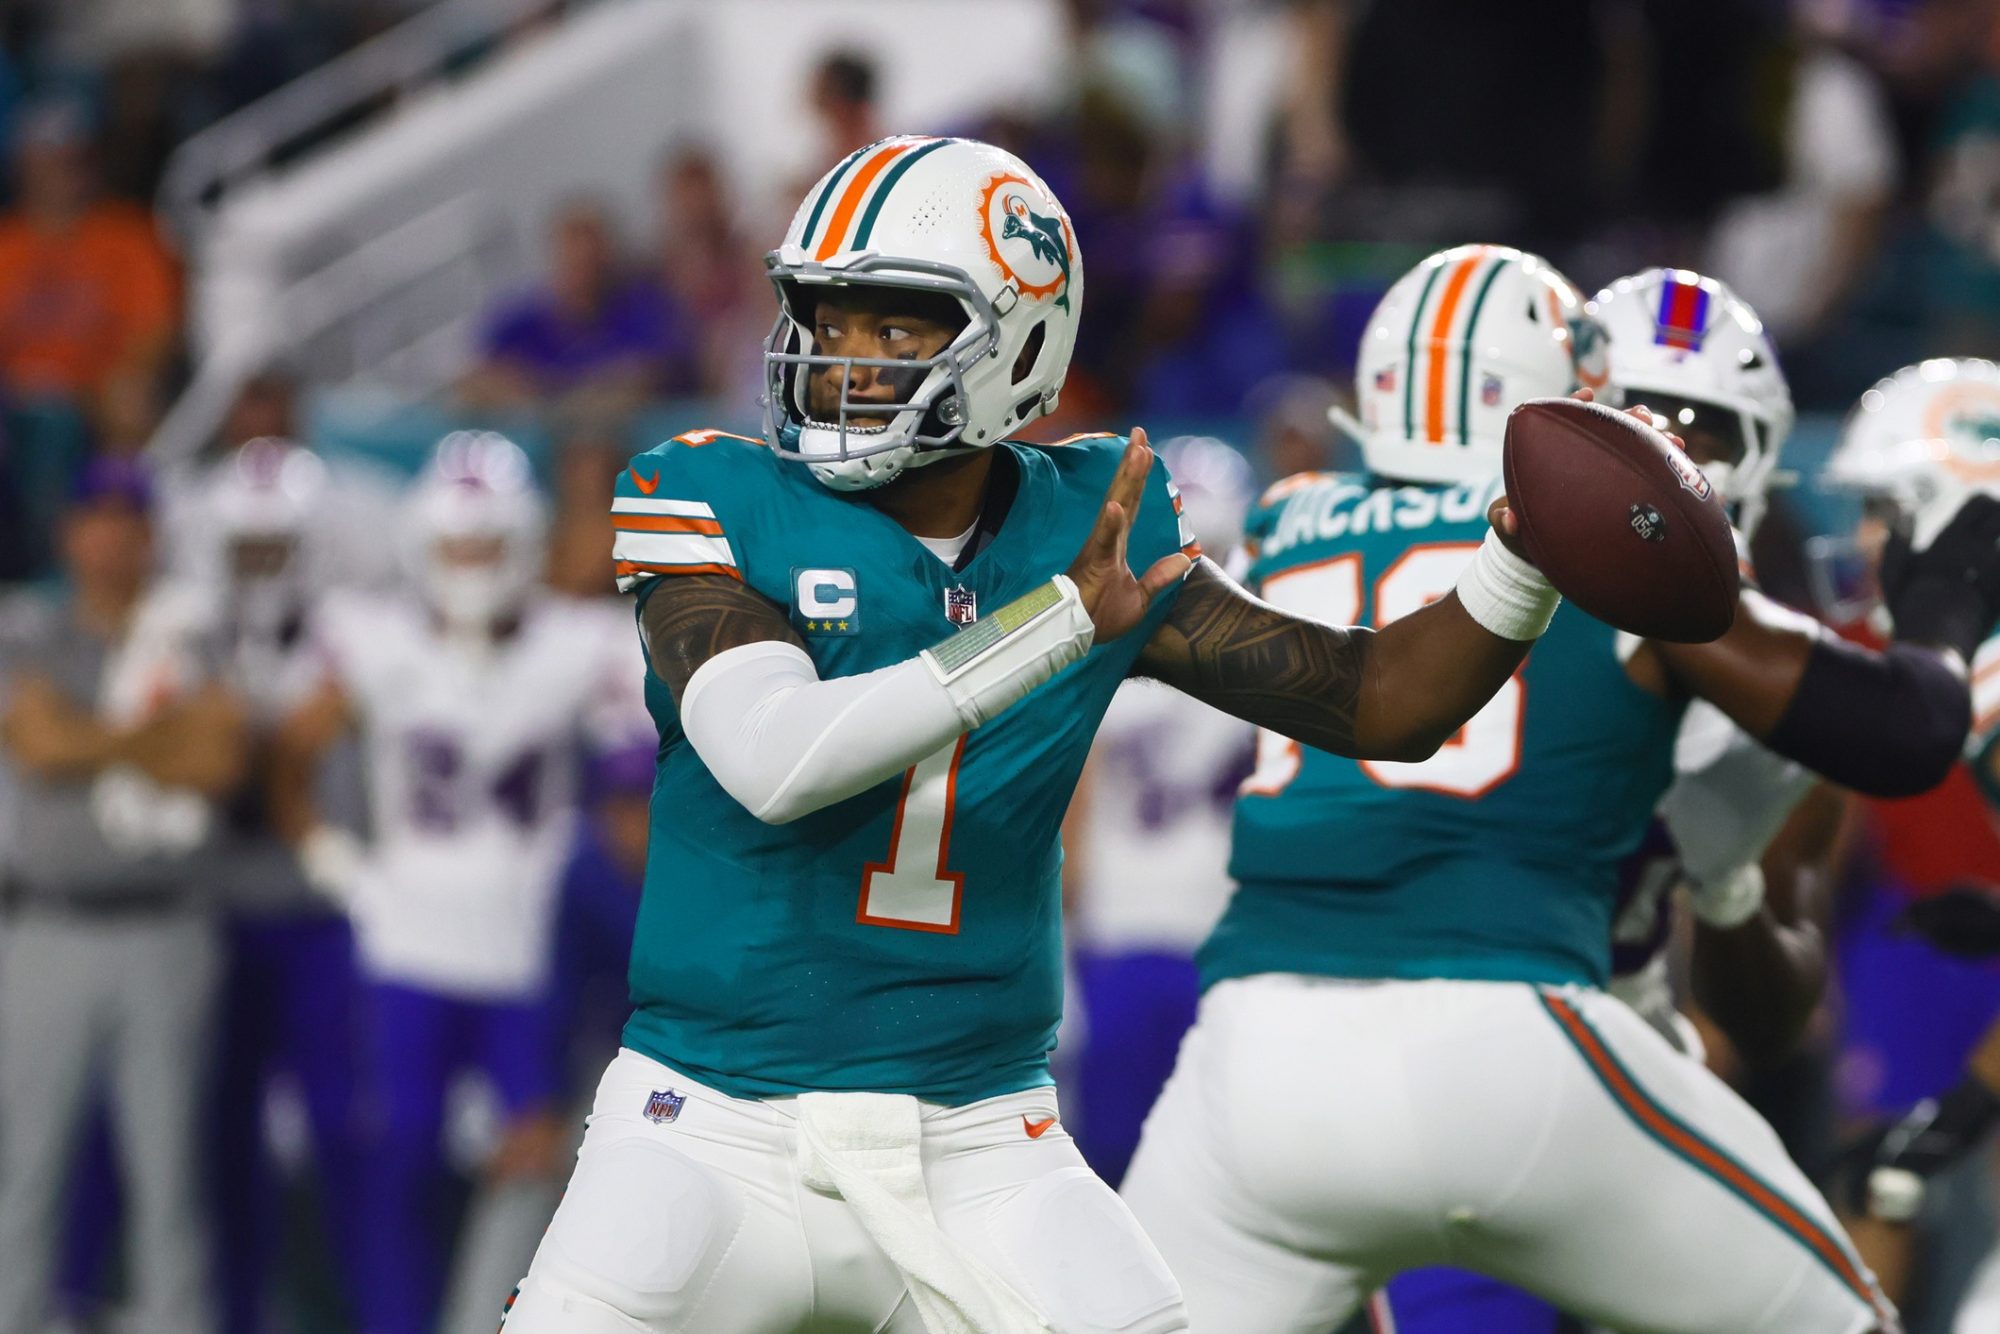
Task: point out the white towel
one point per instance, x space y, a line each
866 1148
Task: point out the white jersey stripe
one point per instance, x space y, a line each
675 509
672 549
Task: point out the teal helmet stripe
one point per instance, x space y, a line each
1465 350
832 181
1410 356
895 174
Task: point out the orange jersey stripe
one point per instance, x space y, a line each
1454 288
1192 551
850 200
625 567
660 523
1642 1108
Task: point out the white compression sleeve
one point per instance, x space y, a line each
785 743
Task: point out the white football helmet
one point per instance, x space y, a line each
478 485
949 216
1923 439
1691 350
1217 488
259 515
1456 345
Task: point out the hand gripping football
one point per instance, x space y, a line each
1620 520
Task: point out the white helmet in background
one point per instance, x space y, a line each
475 529
1455 346
259 514
1691 350
1922 440
1217 488
951 217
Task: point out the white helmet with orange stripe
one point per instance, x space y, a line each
1922 440
950 217
1457 343
1693 351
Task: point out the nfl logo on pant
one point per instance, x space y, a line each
664 1106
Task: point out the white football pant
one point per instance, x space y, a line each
1319 1136
705 1222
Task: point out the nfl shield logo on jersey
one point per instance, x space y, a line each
961 605
664 1105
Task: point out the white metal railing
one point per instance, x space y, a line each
389 302
207 166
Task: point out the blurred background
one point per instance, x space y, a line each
361 225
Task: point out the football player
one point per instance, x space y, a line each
475 703
1146 853
289 987
1759 963
1915 445
881 639
1404 1055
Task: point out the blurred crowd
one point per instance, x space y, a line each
232 1105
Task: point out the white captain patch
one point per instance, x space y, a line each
827 600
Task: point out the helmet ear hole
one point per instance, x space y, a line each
1031 352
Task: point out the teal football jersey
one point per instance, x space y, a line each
1495 859
906 940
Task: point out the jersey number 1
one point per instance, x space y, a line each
912 888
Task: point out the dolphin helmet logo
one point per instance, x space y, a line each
1032 250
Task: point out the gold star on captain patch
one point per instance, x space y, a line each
843 625
811 626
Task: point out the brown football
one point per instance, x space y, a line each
1620 520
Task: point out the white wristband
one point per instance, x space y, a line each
1731 899
996 660
1506 594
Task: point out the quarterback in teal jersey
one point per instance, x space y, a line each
880 640
1403 1055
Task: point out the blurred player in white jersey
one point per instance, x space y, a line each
1146 849
475 703
252 528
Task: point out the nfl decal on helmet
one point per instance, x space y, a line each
948 216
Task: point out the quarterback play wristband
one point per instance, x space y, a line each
1506 594
997 659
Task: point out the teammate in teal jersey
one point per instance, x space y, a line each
881 640
1403 1057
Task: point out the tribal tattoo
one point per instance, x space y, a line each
1228 649
690 618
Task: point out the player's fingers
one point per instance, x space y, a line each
1583 395
1165 573
1097 546
1129 483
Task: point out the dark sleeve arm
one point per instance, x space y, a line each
1888 724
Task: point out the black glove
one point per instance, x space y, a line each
1937 1132
1948 594
1964 920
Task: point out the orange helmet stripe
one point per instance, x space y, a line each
1437 344
850 200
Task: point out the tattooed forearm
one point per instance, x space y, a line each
689 619
1249 659
1394 694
